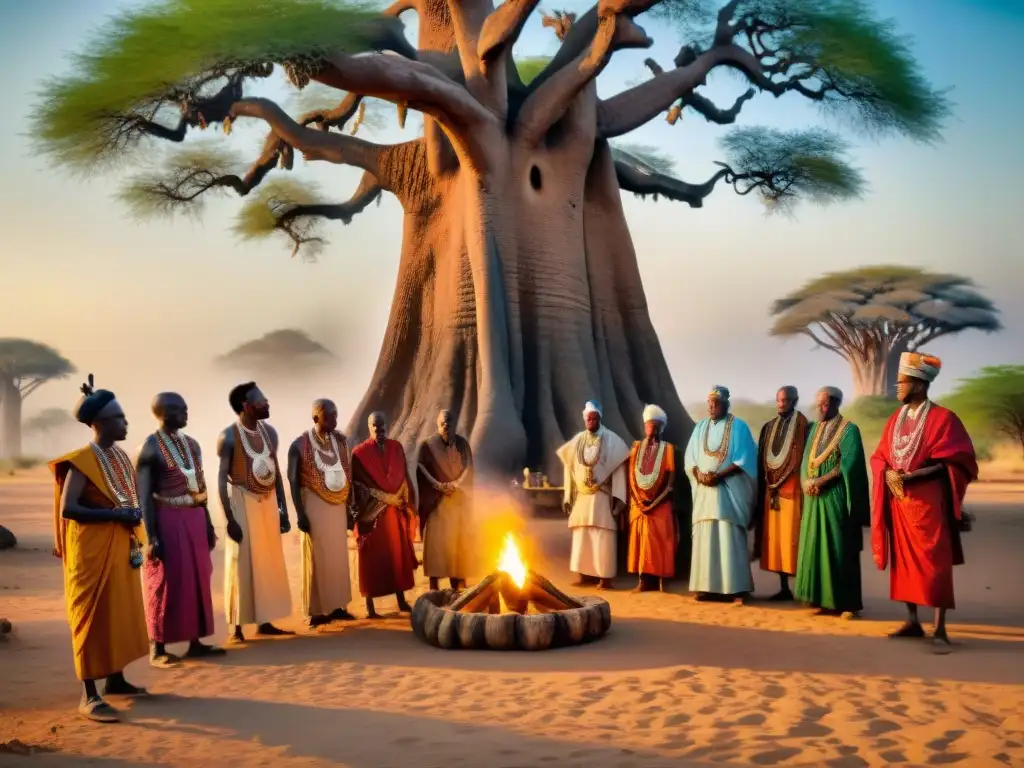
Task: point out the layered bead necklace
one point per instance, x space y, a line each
723 446
182 457
333 473
263 470
646 480
119 475
833 430
776 460
904 447
589 446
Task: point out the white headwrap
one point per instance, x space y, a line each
920 366
654 413
592 406
834 392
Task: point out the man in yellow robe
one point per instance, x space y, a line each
653 533
780 449
98 535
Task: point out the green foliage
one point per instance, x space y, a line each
180 182
23 358
785 166
648 157
531 66
147 60
895 298
260 216
992 402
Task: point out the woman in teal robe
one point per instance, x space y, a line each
837 505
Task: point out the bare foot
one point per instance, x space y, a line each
911 629
941 644
236 636
606 584
782 596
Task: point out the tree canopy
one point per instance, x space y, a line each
848 312
992 398
27 364
286 349
165 69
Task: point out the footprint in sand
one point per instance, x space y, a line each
878 727
775 756
773 691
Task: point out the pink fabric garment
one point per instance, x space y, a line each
178 596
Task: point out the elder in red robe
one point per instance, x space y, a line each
921 470
386 519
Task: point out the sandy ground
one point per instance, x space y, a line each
675 683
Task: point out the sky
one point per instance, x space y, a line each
146 305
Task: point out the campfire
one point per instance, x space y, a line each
513 588
512 608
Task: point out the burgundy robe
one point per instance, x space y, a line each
387 560
918 537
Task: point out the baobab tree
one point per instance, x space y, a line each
519 295
870 316
24 367
283 351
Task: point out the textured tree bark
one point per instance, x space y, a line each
869 376
10 418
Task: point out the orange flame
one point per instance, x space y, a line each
511 563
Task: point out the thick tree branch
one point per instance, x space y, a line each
549 101
27 387
645 182
500 31
299 222
399 7
313 144
826 345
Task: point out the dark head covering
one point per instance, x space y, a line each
237 395
92 402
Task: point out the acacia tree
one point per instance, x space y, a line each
995 398
24 367
285 350
870 316
518 296
47 422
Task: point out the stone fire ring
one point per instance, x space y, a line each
436 622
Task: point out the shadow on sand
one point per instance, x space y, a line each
635 644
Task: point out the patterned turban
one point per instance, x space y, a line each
92 403
719 392
654 413
834 392
920 366
592 406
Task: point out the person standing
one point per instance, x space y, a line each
385 518
98 536
595 496
444 482
653 534
318 474
251 489
836 508
779 500
922 467
721 457
179 567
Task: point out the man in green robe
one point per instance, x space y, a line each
837 504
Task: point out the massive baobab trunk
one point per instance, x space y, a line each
10 418
518 299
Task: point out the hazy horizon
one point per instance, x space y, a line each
146 306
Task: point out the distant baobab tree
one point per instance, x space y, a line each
869 316
24 367
282 351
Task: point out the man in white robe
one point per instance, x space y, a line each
594 464
721 460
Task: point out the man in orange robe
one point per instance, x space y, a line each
921 470
780 451
385 518
653 535
98 535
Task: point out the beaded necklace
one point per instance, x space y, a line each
119 475
589 441
776 460
905 447
334 473
646 480
181 456
818 457
263 470
723 446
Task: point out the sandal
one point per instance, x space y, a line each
97 710
165 661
